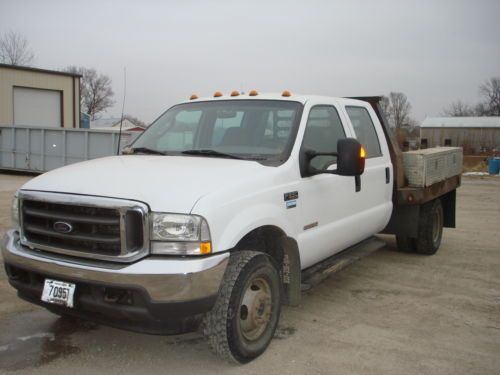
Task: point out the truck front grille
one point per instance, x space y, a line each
83 230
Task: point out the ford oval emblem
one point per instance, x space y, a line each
62 227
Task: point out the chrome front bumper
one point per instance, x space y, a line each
165 280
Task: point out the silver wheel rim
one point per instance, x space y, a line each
255 309
437 224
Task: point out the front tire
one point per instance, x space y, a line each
243 321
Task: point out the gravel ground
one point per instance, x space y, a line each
389 313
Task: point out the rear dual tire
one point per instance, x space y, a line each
430 230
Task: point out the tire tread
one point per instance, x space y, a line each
215 321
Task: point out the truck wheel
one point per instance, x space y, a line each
406 244
430 228
242 323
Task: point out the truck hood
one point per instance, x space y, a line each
165 183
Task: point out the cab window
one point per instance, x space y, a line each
226 120
364 130
324 128
182 131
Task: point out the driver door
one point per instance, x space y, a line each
328 202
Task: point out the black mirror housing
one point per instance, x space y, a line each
351 157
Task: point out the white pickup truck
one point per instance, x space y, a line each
218 214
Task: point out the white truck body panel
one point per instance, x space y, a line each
237 196
170 184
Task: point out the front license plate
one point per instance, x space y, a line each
58 292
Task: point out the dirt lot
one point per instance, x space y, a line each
389 313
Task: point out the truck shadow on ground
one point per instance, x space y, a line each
36 338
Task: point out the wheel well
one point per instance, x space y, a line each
283 250
265 239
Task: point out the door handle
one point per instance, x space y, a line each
387 175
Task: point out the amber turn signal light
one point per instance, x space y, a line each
217 94
205 247
253 93
362 152
193 97
235 93
286 94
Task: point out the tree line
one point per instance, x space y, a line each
489 105
97 93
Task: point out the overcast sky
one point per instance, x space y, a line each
434 51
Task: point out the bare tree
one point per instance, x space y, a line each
481 109
490 91
397 108
385 106
459 109
95 90
15 50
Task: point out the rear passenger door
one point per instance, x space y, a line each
375 196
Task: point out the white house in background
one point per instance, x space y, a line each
474 134
114 124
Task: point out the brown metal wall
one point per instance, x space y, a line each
472 139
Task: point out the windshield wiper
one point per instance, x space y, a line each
147 150
211 153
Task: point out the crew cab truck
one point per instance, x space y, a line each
217 214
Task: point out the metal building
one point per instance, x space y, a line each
38 97
474 134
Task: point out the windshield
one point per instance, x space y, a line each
246 129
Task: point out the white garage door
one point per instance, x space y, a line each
35 107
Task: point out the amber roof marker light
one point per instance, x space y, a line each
193 97
217 94
235 93
286 94
253 93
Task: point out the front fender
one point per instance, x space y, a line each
227 232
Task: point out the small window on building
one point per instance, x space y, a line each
365 130
447 142
423 143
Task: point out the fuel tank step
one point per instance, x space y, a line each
315 274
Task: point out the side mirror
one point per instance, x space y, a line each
350 157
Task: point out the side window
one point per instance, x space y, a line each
182 131
323 130
365 130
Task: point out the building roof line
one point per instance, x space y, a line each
461 122
38 70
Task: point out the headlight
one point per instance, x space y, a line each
15 212
179 234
